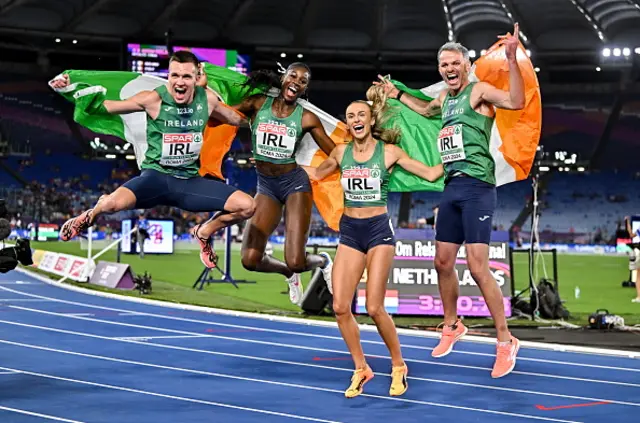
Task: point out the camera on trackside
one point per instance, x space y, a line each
19 253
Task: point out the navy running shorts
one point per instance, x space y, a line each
465 213
364 234
153 188
281 187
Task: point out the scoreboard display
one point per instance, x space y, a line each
412 286
154 59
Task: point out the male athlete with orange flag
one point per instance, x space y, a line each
468 111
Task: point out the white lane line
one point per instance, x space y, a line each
318 366
312 335
270 382
25 300
156 394
148 338
303 347
31 413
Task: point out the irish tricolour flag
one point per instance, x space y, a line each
514 137
515 133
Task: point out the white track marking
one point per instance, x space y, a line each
269 382
302 347
312 335
318 366
309 322
31 413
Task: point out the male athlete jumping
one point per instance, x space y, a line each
176 114
469 198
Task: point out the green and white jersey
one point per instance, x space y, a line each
464 141
274 139
175 137
365 184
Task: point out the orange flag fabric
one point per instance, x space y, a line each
514 137
516 133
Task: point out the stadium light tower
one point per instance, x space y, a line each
618 56
447 14
592 20
512 14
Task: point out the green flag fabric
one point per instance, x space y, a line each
419 135
227 84
89 89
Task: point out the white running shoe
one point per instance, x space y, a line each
326 271
295 289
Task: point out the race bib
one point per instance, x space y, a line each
180 149
451 144
361 184
275 141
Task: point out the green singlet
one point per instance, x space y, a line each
175 137
464 139
274 139
365 184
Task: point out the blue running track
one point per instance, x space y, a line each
73 357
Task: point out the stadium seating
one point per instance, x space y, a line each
64 166
582 203
32 116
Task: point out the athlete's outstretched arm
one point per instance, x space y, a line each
402 159
422 107
508 100
327 167
224 113
250 105
311 123
514 99
136 103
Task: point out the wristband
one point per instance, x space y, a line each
400 92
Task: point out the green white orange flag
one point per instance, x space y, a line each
514 137
515 134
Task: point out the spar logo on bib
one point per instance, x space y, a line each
181 138
356 173
361 184
180 149
275 140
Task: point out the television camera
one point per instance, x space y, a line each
19 253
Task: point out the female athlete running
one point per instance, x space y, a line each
366 234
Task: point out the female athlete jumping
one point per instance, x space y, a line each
277 125
366 234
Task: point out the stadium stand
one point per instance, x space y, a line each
579 204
